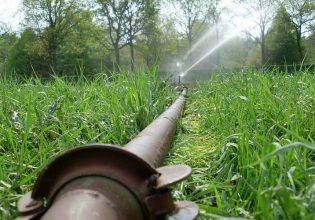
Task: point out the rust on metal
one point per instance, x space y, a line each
152 143
171 175
94 197
110 182
185 210
102 160
28 206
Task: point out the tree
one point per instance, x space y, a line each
170 44
149 42
310 43
82 50
238 52
139 13
27 54
280 39
113 14
302 13
124 21
192 15
265 9
53 20
7 40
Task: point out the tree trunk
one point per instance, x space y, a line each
263 50
298 43
300 49
263 45
147 59
132 55
52 53
117 56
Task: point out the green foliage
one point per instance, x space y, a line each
252 138
170 45
40 120
302 15
310 43
66 36
79 49
27 53
149 42
83 49
280 39
7 40
53 20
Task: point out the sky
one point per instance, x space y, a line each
236 13
11 15
235 16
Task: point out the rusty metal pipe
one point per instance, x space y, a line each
94 198
109 182
152 143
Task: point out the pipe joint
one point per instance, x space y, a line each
104 182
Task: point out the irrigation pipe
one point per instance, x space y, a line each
109 182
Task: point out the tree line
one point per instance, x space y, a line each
71 36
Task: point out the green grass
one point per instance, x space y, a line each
249 137
39 120
250 140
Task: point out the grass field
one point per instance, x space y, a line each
40 120
249 137
250 140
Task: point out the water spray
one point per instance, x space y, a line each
220 44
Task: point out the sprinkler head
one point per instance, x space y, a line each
178 64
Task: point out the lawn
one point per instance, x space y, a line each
249 138
38 120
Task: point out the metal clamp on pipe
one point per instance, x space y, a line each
110 182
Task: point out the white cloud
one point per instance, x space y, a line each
10 13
